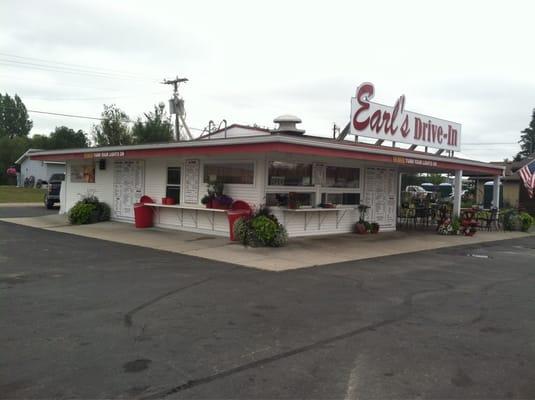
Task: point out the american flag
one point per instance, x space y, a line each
527 173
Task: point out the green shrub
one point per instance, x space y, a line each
281 237
104 212
265 229
511 220
88 211
261 229
456 225
244 233
82 213
526 221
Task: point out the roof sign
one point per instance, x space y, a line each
378 121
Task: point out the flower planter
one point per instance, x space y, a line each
360 228
169 201
209 203
220 205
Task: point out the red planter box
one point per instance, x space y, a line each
168 201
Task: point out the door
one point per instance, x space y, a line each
128 186
380 194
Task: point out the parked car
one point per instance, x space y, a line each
52 193
417 191
464 195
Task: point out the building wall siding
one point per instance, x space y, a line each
297 223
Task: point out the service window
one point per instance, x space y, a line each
229 173
282 173
290 199
342 177
173 183
341 198
83 173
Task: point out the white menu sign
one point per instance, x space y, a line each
191 181
128 186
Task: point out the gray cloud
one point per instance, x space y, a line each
250 61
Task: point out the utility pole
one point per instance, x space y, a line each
176 105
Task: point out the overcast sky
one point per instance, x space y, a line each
249 61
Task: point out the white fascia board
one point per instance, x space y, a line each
308 141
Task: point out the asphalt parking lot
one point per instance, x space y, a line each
85 318
26 211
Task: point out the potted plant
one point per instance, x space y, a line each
374 227
207 200
292 201
222 202
361 227
215 197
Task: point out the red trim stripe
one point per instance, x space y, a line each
289 148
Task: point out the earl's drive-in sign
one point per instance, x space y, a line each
378 121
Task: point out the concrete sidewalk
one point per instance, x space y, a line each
299 253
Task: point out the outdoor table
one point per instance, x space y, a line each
193 211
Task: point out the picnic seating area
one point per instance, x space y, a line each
425 214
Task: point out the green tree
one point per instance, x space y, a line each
113 130
436 179
527 140
14 120
40 142
67 138
156 128
10 150
61 138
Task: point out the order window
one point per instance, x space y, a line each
282 173
341 198
342 177
232 173
289 199
173 183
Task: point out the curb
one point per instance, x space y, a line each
21 204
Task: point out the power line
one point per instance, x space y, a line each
48 68
66 115
81 116
72 66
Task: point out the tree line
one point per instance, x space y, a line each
113 129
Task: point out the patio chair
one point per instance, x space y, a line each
491 220
407 216
419 216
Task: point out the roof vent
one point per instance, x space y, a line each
287 124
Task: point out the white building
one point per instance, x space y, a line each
283 168
39 169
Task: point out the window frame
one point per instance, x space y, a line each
83 165
318 189
308 188
222 162
346 188
174 185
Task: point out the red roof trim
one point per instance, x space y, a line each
291 148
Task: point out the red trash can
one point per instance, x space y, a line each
142 215
238 209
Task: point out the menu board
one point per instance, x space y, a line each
128 186
318 173
191 181
380 195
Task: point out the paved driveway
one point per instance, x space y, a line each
91 319
15 211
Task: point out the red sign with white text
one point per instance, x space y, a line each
378 121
